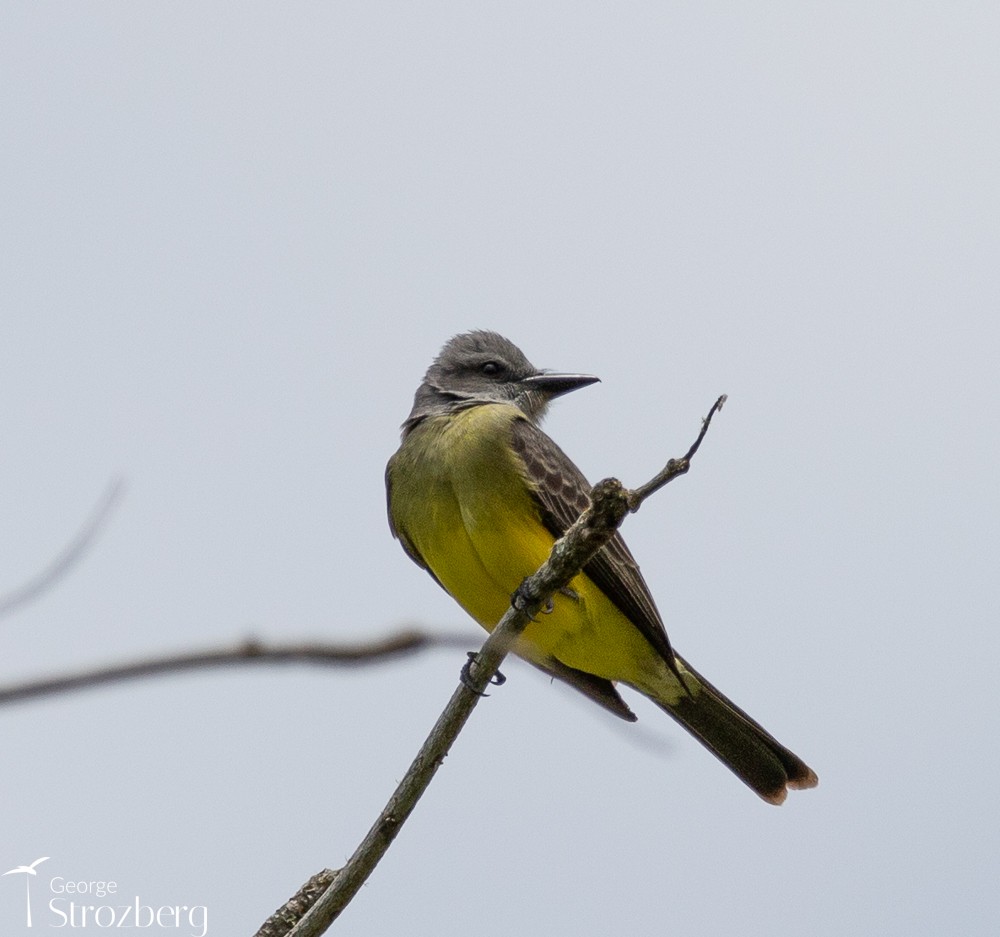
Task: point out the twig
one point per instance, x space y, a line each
69 555
674 467
610 502
283 920
249 652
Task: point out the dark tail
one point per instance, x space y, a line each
741 744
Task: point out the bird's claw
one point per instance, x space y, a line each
520 601
498 679
518 598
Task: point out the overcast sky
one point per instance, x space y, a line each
233 236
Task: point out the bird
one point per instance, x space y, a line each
477 494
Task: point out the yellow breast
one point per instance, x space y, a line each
461 500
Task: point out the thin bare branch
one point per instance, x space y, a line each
674 467
610 503
249 652
283 920
70 554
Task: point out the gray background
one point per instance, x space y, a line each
233 237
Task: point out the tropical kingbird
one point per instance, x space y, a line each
477 496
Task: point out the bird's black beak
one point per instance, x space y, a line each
555 385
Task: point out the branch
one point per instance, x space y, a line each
674 467
70 554
249 652
610 502
284 919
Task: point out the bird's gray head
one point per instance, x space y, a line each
484 367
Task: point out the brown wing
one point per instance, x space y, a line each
601 691
563 493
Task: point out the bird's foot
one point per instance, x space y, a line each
520 600
498 679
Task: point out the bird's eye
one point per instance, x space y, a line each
491 368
